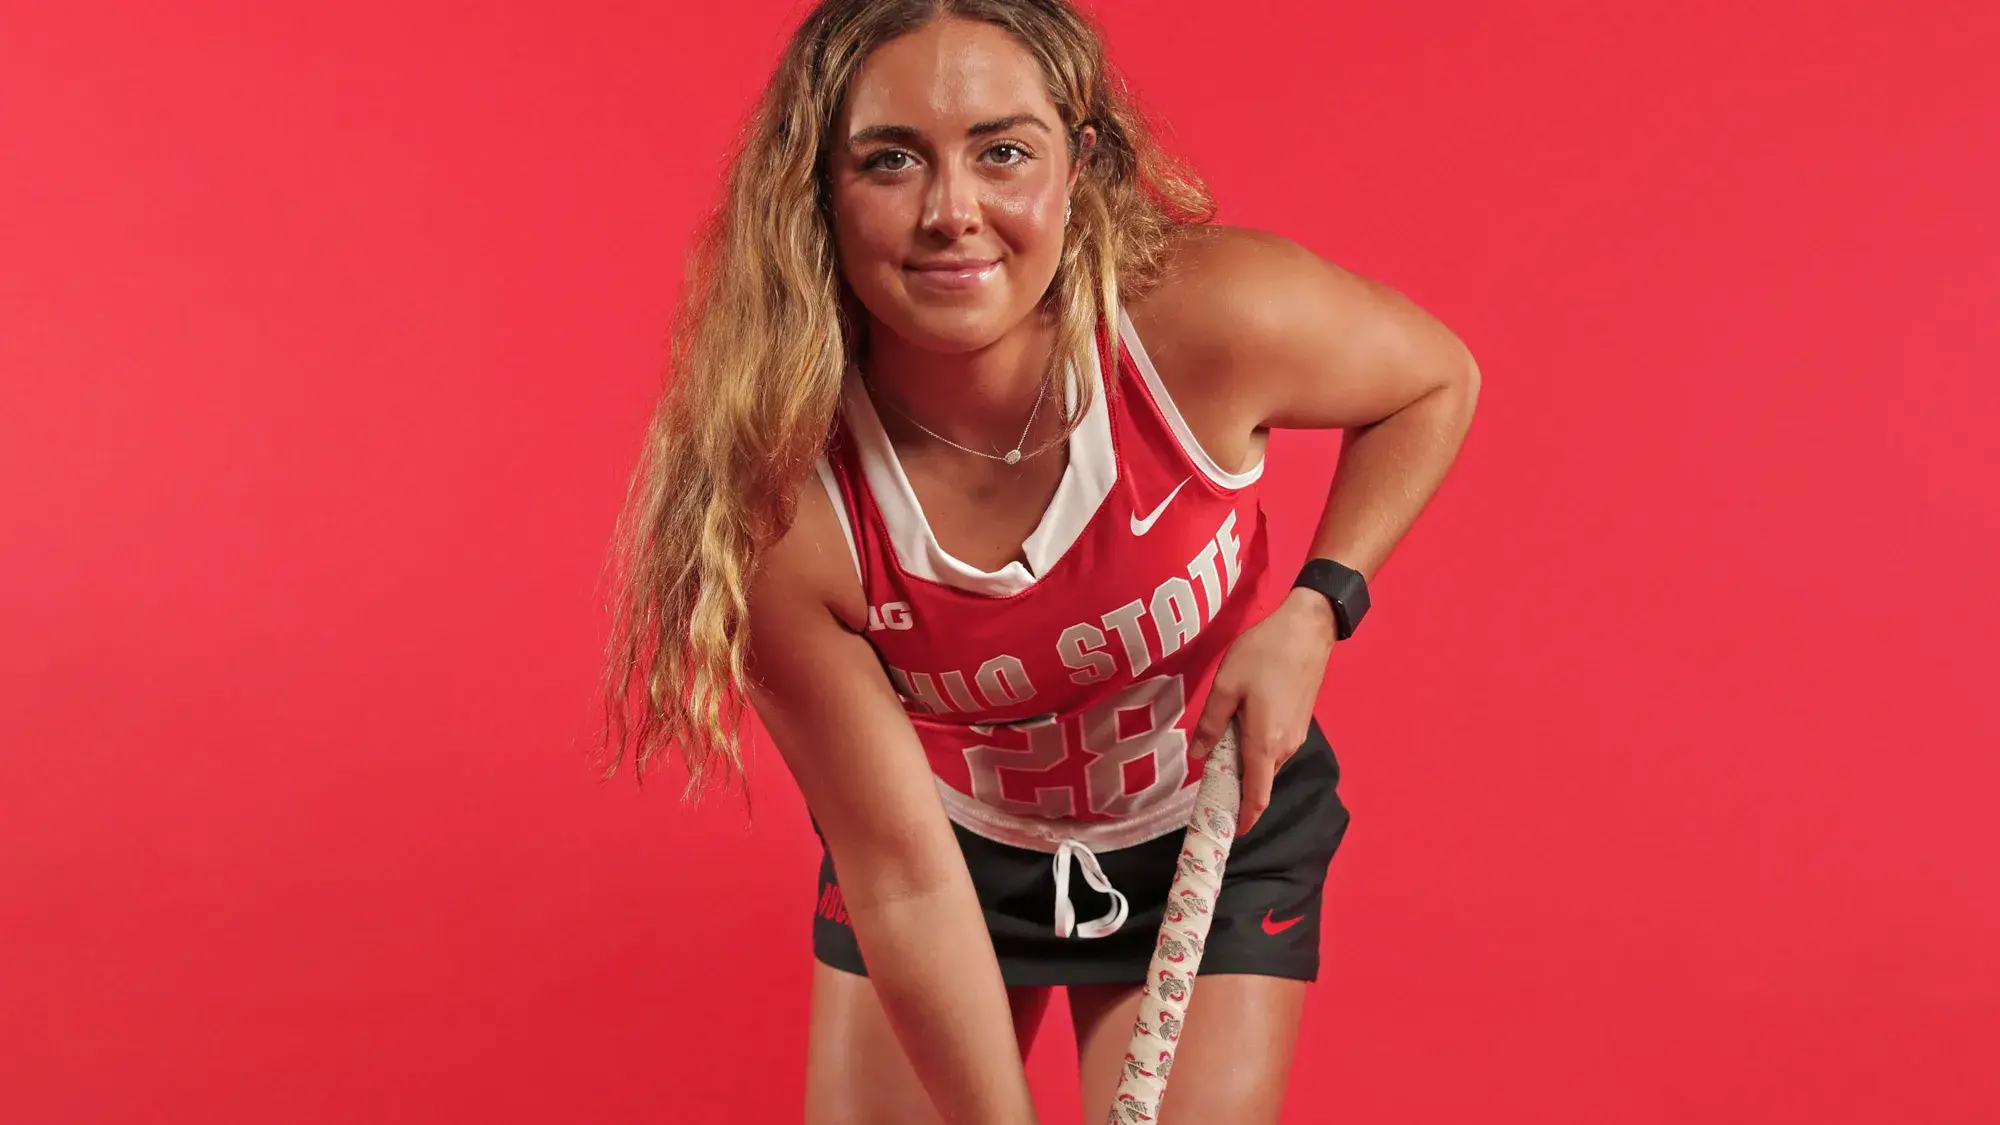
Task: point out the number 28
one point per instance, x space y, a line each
1162 699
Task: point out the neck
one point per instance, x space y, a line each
979 399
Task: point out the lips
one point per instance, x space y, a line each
954 273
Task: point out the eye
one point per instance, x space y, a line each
884 161
1022 154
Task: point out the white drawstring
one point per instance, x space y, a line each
1093 874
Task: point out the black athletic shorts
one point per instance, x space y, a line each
1267 919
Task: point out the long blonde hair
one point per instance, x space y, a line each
763 338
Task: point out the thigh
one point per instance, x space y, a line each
856 1073
1235 1053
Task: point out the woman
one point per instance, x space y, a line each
956 483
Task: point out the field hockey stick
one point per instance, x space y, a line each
1191 899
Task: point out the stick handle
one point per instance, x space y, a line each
1183 934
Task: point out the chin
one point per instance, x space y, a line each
950 329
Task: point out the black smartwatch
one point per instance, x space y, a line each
1341 585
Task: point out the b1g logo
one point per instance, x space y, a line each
893 615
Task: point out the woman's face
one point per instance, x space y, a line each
949 174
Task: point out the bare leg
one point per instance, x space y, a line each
856 1073
1235 1053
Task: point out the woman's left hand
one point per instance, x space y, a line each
1269 679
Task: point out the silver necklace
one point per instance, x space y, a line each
1011 457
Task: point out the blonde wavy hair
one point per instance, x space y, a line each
767 328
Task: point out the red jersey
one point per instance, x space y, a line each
1056 698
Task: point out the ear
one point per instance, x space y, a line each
1086 143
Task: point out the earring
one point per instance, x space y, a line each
1066 210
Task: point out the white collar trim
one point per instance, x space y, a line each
1092 470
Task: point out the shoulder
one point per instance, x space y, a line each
1221 324
810 568
1259 330
1239 268
1226 292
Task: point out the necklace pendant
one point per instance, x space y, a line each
1013 457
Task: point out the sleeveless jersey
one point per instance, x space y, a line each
1056 699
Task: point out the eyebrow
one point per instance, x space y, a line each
906 134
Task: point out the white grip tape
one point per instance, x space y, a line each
1183 933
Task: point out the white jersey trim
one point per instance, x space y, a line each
1044 835
1087 480
1178 424
832 486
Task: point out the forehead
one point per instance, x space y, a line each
947 75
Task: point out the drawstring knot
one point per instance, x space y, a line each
1093 873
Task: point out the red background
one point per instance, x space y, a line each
326 338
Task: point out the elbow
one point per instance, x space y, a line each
1459 381
885 871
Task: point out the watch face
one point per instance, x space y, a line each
1355 596
1341 585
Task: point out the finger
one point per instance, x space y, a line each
1283 745
1257 774
1215 715
1258 767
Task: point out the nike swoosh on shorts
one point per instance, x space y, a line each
1279 927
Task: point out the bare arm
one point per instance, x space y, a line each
822 694
1262 333
1336 350
1259 333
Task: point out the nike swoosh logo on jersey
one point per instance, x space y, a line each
1274 928
1142 526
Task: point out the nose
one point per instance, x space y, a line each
951 208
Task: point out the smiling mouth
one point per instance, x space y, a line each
953 275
